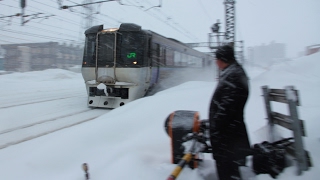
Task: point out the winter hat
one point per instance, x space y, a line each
225 53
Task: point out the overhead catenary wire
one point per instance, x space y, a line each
70 21
55 17
205 11
169 18
10 42
140 7
154 12
61 19
36 35
16 38
154 15
176 25
50 30
181 30
97 12
44 30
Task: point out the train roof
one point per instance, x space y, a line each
129 27
94 29
166 41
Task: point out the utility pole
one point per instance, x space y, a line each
23 5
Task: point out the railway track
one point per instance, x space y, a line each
42 106
31 131
27 101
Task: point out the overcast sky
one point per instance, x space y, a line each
294 22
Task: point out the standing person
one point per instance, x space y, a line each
228 134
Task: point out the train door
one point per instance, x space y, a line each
106 56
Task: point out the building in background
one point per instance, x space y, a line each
312 49
265 55
2 53
40 56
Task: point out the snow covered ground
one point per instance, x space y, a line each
130 142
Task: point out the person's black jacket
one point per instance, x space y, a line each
228 132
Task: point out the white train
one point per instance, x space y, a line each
122 64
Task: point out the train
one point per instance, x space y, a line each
123 64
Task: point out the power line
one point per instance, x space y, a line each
7 41
175 26
185 32
22 14
169 18
70 21
16 38
45 30
109 17
160 4
73 11
39 36
205 10
89 15
60 19
116 20
38 28
77 5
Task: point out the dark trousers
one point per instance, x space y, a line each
227 169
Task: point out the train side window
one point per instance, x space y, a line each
149 52
162 56
155 51
169 57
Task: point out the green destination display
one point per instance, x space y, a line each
131 55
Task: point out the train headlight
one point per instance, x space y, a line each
134 62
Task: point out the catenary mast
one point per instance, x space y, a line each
230 21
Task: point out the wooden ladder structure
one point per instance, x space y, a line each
292 122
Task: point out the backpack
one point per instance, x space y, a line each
270 158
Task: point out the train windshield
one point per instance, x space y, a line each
128 46
89 55
106 45
132 49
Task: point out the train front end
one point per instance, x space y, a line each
115 65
